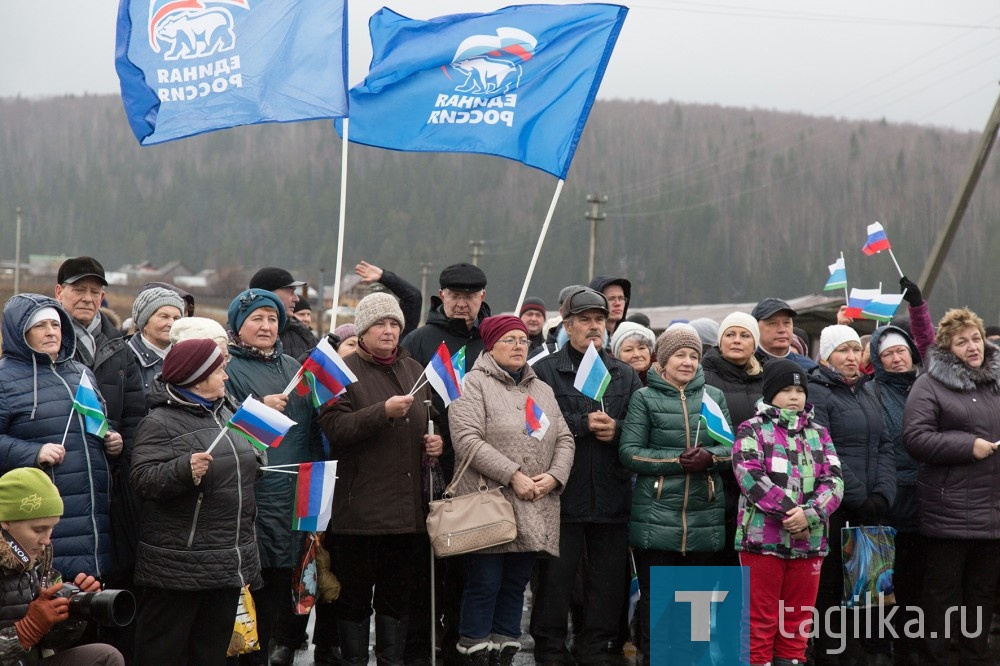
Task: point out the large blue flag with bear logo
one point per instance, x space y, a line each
193 66
518 82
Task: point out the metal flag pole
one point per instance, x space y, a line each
538 246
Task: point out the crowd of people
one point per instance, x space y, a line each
896 430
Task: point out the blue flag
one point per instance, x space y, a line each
193 66
517 83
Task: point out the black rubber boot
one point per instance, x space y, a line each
502 654
390 640
354 642
475 655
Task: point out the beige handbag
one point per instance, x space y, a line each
467 523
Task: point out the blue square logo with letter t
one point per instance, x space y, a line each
699 616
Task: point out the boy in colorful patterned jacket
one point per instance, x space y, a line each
790 483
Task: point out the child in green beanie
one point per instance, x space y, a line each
31 615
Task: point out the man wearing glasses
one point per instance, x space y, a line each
454 318
617 291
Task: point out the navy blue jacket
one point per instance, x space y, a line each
36 401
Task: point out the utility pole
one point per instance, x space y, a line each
594 215
321 308
958 206
17 254
425 270
477 251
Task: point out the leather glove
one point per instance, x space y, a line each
696 459
912 295
43 614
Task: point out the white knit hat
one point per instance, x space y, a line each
890 340
834 336
743 320
197 328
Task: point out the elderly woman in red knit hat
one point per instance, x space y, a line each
495 424
197 546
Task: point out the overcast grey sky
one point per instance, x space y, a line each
921 61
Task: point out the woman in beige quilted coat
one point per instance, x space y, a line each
509 422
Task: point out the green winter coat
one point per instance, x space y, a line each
275 492
673 510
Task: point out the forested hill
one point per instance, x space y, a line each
705 204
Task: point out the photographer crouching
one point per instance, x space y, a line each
34 603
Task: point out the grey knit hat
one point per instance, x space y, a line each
150 300
676 337
375 307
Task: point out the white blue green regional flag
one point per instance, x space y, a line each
88 403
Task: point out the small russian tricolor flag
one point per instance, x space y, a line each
326 374
877 240
261 425
441 375
536 423
314 496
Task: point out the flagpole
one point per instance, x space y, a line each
340 229
697 432
417 385
900 270
295 380
282 471
68 421
538 246
847 297
216 440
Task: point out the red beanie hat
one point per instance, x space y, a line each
190 362
491 328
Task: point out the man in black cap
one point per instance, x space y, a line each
453 318
774 317
618 291
296 338
595 504
100 346
533 314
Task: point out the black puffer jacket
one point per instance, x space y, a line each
742 390
36 405
193 537
149 361
854 418
949 406
892 390
423 343
599 488
296 338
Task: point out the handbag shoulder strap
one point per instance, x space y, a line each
450 490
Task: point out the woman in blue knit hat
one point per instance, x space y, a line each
258 367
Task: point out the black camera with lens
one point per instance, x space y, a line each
111 608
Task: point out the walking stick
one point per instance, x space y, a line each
430 495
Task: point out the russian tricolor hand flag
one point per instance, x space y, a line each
441 375
536 422
859 300
261 425
326 374
877 240
314 496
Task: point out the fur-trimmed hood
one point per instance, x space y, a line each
953 373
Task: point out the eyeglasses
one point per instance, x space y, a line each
518 342
461 296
